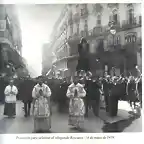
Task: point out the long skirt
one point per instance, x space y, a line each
76 121
10 109
42 124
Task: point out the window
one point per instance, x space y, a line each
71 30
115 18
99 20
82 33
86 26
133 38
140 19
84 9
77 28
118 40
131 16
77 8
82 12
130 13
130 38
126 39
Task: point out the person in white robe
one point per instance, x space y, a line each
41 107
10 99
76 93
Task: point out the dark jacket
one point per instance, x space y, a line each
95 91
25 90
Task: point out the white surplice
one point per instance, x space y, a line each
10 94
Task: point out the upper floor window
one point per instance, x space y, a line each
77 8
114 16
131 16
71 30
84 9
99 19
82 33
130 13
86 26
77 28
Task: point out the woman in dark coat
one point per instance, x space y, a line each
83 61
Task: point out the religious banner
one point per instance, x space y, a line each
2 25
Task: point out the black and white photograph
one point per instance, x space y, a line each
70 68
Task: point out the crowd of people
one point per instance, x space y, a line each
75 96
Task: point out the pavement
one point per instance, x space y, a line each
93 124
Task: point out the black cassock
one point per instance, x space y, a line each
83 61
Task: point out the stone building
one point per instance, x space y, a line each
123 51
10 39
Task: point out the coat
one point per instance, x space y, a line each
25 90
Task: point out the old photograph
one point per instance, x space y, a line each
70 68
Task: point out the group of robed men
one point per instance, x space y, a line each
114 88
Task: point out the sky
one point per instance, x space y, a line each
36 23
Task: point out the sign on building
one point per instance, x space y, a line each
2 25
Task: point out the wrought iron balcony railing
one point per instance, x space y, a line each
127 24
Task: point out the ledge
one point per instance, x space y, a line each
104 33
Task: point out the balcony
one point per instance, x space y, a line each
126 24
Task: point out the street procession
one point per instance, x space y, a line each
75 95
91 90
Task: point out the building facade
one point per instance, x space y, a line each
122 52
10 39
47 58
